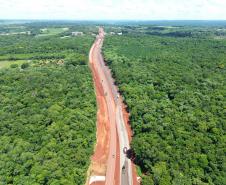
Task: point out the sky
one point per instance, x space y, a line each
114 9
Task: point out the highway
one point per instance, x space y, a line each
118 166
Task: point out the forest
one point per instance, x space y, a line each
172 79
173 83
40 46
47 109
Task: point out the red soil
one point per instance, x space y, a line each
99 159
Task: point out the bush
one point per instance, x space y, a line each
14 65
24 65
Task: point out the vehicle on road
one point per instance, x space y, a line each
125 150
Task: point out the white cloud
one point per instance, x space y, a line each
113 9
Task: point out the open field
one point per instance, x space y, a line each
6 64
51 31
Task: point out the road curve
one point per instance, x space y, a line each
119 169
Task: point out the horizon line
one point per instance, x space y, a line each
133 20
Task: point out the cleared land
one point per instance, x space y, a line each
7 64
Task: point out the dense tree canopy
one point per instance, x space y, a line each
175 91
47 110
47 124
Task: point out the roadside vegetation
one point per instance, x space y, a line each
47 110
173 81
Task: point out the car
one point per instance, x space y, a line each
125 150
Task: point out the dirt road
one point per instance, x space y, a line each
109 162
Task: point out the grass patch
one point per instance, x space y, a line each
6 64
51 31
